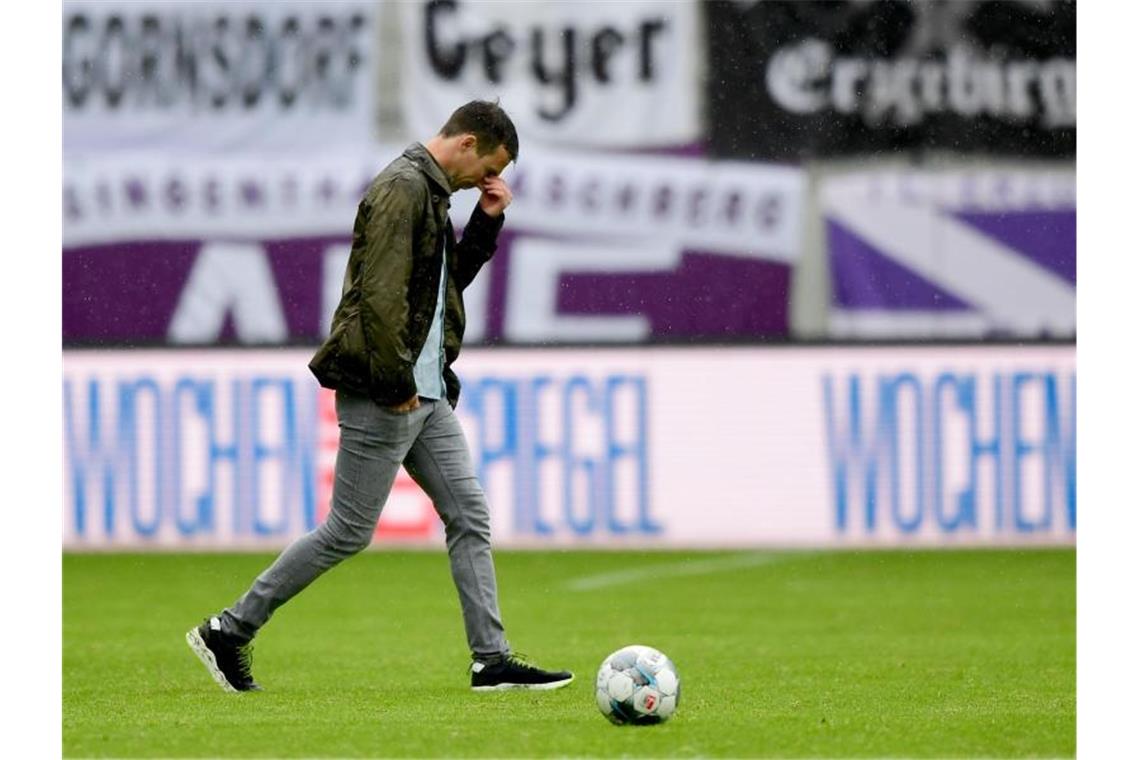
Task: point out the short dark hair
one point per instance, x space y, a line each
488 122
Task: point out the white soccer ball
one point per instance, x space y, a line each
637 684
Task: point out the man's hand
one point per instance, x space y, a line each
407 406
496 196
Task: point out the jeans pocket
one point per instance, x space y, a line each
395 413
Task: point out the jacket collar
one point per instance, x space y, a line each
420 156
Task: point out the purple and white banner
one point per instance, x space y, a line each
204 77
570 73
956 254
596 248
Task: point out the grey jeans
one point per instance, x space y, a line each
374 442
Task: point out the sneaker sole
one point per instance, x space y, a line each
198 647
529 686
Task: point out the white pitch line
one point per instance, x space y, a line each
679 569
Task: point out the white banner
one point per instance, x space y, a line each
746 209
248 76
586 73
137 195
743 447
733 207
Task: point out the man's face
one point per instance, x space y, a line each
474 170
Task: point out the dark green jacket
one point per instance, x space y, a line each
392 279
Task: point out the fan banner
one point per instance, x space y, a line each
961 254
569 72
790 81
600 248
242 76
812 447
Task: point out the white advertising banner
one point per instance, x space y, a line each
243 76
575 73
668 447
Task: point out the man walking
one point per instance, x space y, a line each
395 334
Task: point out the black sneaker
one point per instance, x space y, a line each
228 661
513 672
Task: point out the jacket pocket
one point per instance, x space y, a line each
343 358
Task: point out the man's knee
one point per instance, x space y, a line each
344 539
471 521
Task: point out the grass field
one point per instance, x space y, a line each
846 654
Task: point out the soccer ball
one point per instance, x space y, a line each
637 684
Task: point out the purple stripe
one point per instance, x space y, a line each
298 268
863 278
498 269
1048 238
129 292
124 291
708 295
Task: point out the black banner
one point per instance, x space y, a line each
795 80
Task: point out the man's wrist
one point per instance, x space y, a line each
495 220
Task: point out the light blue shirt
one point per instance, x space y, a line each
429 366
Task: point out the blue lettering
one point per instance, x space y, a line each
980 449
92 456
911 435
890 391
477 402
850 452
148 455
264 453
585 454
537 452
1021 450
1059 449
635 450
199 395
129 434
966 512
572 462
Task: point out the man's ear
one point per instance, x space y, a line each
468 142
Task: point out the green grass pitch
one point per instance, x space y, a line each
785 654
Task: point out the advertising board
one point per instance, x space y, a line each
668 447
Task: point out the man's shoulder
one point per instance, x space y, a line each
400 176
